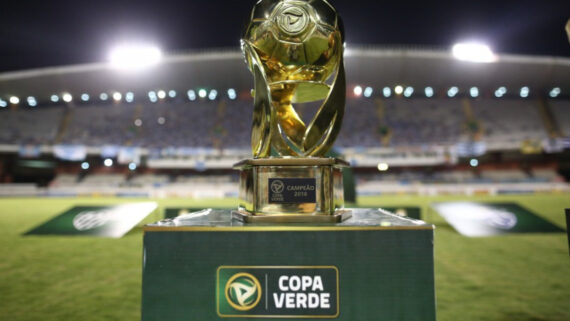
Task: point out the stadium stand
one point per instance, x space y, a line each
509 120
34 126
177 142
561 112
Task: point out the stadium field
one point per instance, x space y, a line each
516 277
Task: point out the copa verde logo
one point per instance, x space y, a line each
243 291
277 291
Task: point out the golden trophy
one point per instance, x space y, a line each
294 50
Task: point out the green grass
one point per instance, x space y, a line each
514 277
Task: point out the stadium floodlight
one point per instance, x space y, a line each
54 98
408 92
474 162
387 92
85 97
161 94
202 93
524 92
85 165
3 104
554 92
14 100
473 52
67 97
108 162
368 92
161 120
132 166
191 95
500 92
117 96
213 94
383 167
32 101
134 57
172 93
357 91
129 97
138 122
474 92
399 90
429 92
232 94
103 96
452 92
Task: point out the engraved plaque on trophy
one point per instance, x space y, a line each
294 50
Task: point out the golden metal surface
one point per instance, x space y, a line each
292 161
337 217
293 48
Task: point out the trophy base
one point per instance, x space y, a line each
337 217
291 190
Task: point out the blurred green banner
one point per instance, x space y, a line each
103 221
488 219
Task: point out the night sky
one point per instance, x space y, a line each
50 33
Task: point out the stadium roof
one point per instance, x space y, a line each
222 69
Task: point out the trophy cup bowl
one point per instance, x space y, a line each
294 50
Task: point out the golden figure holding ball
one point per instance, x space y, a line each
294 50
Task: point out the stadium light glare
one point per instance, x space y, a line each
399 90
161 94
134 56
3 104
191 95
474 162
554 92
138 122
357 91
524 92
387 92
473 52
85 97
368 92
172 93
132 166
408 92
232 94
452 92
213 94
474 92
429 92
85 165
103 96
54 98
161 120
383 167
500 92
202 93
117 96
32 101
108 162
129 97
14 100
67 97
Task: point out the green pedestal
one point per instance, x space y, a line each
206 266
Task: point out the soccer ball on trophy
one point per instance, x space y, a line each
293 48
